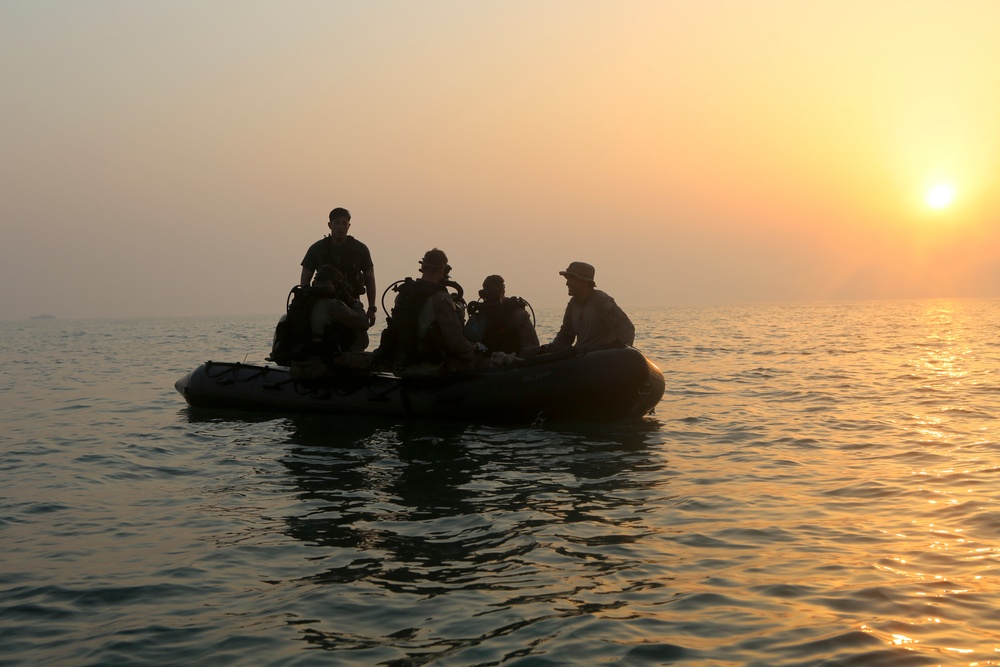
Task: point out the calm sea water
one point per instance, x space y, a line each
819 486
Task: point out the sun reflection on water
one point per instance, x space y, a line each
943 553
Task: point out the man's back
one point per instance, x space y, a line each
347 325
440 326
596 321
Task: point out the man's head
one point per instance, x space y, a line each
330 276
579 278
434 265
493 288
340 222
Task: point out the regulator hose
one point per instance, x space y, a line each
447 282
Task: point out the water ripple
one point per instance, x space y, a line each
817 487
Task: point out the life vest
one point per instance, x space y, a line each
489 324
293 336
402 343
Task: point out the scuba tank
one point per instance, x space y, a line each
293 336
293 333
488 323
400 343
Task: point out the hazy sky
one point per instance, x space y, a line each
177 158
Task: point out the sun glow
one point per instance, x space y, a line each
940 196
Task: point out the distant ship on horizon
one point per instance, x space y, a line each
43 317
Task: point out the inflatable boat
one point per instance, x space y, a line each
610 384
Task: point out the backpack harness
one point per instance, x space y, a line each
488 324
293 336
401 343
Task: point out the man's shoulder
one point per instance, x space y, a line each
518 311
315 246
520 320
419 286
602 299
416 292
360 251
352 242
347 313
439 295
443 304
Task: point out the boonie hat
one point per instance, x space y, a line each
580 270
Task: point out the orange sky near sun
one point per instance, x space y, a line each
178 158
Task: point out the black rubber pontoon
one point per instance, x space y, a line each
599 385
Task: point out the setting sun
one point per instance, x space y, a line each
941 195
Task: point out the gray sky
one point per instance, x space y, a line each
177 158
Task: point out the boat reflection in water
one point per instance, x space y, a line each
414 528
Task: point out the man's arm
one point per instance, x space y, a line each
310 263
451 327
619 322
341 313
370 291
567 334
526 334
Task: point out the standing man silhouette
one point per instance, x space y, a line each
347 254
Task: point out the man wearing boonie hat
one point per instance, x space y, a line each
592 317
